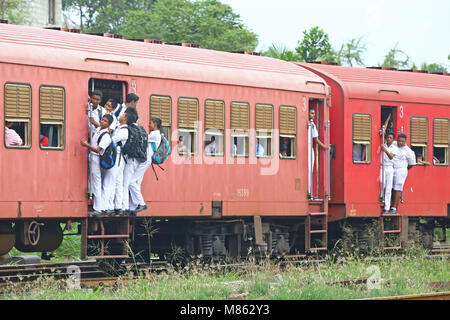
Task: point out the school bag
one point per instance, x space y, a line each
108 158
160 154
136 145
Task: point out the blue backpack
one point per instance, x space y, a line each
108 158
160 154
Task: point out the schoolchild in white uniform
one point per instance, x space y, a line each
389 150
130 101
313 135
403 161
109 109
114 191
130 163
96 110
137 202
98 147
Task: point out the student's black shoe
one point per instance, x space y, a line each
125 212
118 211
109 212
95 213
385 212
141 208
132 213
392 211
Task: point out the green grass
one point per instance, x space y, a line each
408 275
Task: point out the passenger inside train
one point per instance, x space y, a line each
12 138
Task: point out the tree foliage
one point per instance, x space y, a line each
433 67
281 53
395 58
314 46
350 53
16 11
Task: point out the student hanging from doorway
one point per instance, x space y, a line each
403 161
313 135
114 191
389 151
137 202
97 147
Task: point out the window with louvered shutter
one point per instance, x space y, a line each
264 129
362 138
161 107
419 130
18 111
288 131
51 117
187 112
240 126
214 127
441 142
240 119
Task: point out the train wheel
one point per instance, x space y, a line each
7 238
37 236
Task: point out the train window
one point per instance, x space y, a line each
288 131
240 126
362 138
419 137
161 107
264 129
214 127
17 115
51 117
187 122
441 141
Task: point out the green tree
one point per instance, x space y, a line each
281 53
433 67
15 11
395 59
208 23
350 53
315 46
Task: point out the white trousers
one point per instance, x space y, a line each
115 199
388 183
400 175
107 187
310 171
136 197
128 173
96 183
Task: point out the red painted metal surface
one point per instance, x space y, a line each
355 187
52 184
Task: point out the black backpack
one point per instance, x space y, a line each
108 158
136 145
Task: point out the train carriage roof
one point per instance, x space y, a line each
68 50
386 85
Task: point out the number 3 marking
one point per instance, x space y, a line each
401 112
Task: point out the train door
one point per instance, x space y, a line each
388 124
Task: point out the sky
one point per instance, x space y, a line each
419 28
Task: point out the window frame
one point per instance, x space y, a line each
246 136
272 136
30 120
222 152
63 137
195 129
421 144
366 143
169 137
447 155
288 135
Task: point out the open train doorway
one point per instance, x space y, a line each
316 188
388 125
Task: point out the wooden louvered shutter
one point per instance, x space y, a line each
51 100
264 117
215 115
161 107
240 116
419 130
441 131
187 113
288 118
362 128
17 101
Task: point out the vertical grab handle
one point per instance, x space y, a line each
382 165
329 159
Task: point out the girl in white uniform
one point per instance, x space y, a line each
98 148
389 151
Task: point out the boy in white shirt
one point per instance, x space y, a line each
389 150
403 161
137 202
98 148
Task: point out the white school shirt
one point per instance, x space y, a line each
95 116
153 136
211 148
313 133
392 149
404 157
104 142
122 111
120 134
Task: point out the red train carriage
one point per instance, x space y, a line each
214 205
417 104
